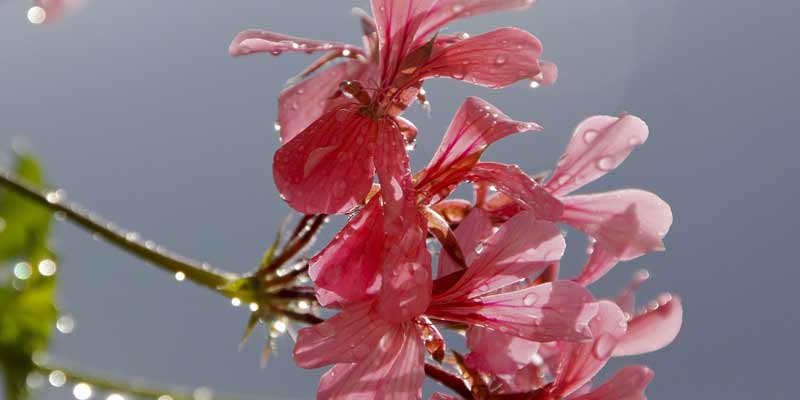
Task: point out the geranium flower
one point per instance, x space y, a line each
520 365
383 249
379 358
622 224
340 125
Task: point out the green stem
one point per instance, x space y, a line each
199 273
123 387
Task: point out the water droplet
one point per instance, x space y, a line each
254 307
115 396
37 15
459 75
65 324
479 248
279 326
236 302
277 126
605 164
180 276
34 380
534 84
47 267
589 136
501 59
23 271
457 8
57 378
346 52
530 299
82 391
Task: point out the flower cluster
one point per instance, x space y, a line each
530 333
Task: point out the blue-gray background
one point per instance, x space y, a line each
136 108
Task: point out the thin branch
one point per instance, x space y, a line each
184 268
448 379
123 387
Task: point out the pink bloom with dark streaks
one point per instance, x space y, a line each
623 224
341 125
521 366
378 250
378 358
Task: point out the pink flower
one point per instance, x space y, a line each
383 249
341 125
623 224
521 365
376 357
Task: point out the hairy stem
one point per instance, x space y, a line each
123 387
448 379
184 268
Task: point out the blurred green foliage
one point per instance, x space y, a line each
27 306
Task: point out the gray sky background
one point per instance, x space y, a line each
137 110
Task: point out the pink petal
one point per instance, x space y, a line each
347 267
397 22
553 311
303 103
625 223
627 384
406 276
476 125
598 145
548 73
510 180
498 353
520 248
580 362
332 159
626 299
472 230
258 41
347 337
393 370
654 329
599 263
443 12
495 59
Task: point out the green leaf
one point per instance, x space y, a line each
25 225
27 306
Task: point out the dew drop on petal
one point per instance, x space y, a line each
605 164
530 299
590 136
